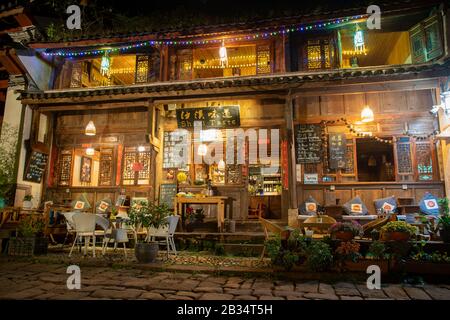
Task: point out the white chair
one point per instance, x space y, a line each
167 232
84 225
111 234
69 224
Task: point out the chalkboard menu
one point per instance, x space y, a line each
308 143
336 150
176 150
35 166
167 193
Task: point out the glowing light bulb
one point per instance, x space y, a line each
367 115
90 129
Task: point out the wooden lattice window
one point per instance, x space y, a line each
349 168
263 59
65 167
404 159
106 167
185 65
136 166
318 54
75 80
424 161
142 68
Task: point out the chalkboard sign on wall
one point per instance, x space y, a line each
337 149
167 193
308 143
35 167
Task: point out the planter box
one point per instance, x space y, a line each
423 267
362 265
21 247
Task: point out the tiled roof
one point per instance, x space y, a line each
253 83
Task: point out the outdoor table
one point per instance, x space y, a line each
216 200
322 226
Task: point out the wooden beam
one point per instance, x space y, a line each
11 12
9 64
23 20
289 118
3 84
88 106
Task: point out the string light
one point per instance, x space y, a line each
260 35
245 65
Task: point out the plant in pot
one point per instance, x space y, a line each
27 204
347 251
444 220
346 231
319 256
8 148
398 231
29 238
145 215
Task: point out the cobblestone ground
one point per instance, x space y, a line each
20 280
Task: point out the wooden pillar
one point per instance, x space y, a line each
292 186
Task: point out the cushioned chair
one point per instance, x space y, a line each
84 227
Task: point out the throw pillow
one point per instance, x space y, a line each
356 207
309 207
389 204
429 204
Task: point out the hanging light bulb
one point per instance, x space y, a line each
90 151
223 55
221 165
90 129
367 115
202 150
105 65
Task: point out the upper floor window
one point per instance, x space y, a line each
109 70
243 60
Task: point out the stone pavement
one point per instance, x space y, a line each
25 280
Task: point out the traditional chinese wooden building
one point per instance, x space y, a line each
313 73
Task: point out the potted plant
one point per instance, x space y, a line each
29 238
347 251
145 215
319 256
27 204
346 231
8 148
398 231
444 220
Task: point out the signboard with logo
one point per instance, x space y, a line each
211 117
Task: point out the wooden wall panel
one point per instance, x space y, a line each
420 100
393 102
353 103
332 105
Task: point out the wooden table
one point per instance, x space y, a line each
217 200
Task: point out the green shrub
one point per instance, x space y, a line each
377 250
319 256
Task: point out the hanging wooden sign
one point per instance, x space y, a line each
211 117
308 143
336 150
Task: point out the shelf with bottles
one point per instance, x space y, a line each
264 181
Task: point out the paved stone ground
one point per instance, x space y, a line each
25 280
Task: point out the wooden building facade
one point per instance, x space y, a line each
278 83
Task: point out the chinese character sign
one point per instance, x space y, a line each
211 117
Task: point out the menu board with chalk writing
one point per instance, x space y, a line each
308 143
36 165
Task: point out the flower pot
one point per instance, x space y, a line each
397 236
343 235
27 204
146 252
21 246
445 235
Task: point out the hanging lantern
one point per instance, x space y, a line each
90 151
221 165
367 115
358 41
202 150
223 55
90 129
141 148
105 65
